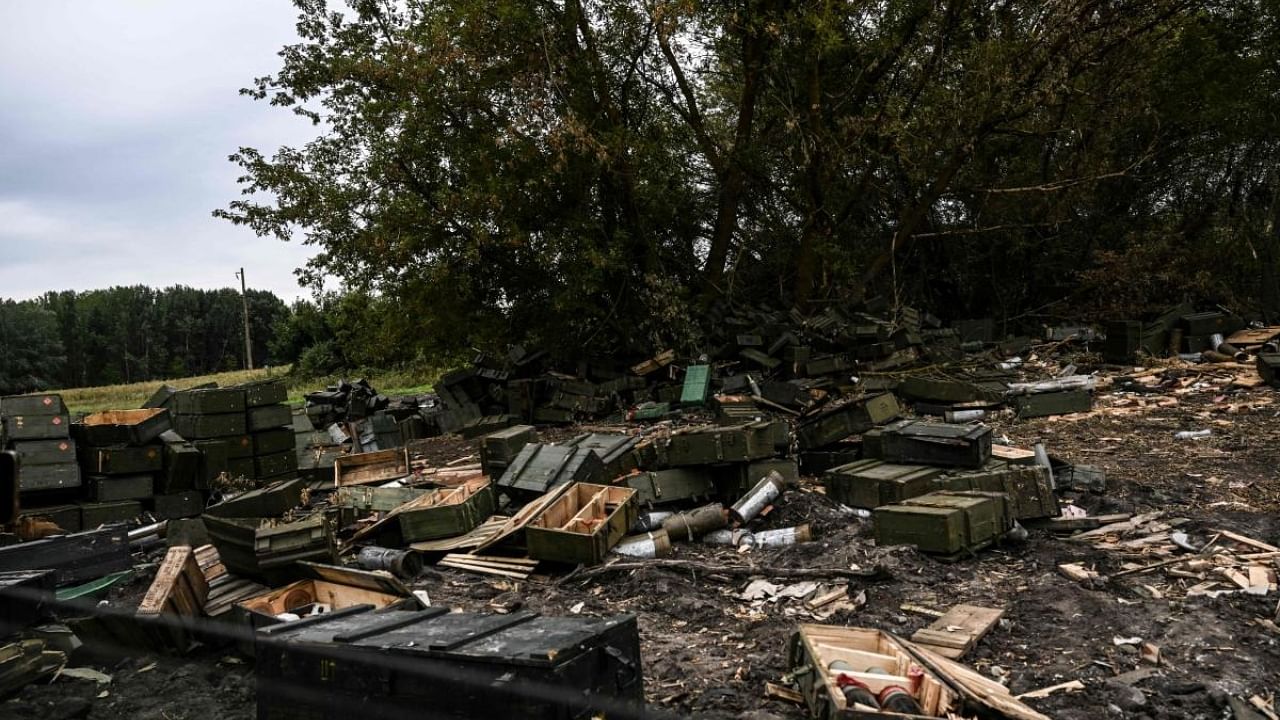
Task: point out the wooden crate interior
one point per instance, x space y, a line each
866 649
369 468
122 417
305 592
583 509
446 496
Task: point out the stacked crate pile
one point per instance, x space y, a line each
270 425
244 430
122 458
38 427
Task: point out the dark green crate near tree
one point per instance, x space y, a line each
46 452
267 466
268 442
616 451
265 392
945 523
447 512
268 417
1268 365
1210 323
1052 403
162 398
113 488
36 427
722 444
871 483
94 514
122 460
210 401
48 477
912 441
853 418
201 427
41 404
186 504
1028 487
498 449
670 486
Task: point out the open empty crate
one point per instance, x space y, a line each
371 468
582 524
446 512
877 659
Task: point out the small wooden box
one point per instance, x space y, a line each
124 427
582 525
446 512
371 468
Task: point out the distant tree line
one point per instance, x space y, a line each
132 334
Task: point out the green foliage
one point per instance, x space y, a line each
31 354
578 175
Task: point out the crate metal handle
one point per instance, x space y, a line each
627 670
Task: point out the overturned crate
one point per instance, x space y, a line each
334 587
582 525
371 468
269 549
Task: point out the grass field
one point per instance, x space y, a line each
120 397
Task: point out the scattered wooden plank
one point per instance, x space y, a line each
1259 580
1070 686
1077 572
1236 577
827 598
179 587
484 570
778 692
1065 524
958 630
1263 707
1246 540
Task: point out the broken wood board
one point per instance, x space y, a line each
958 630
179 587
516 568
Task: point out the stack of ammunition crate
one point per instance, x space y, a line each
270 425
122 458
248 425
38 428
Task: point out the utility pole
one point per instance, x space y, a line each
244 300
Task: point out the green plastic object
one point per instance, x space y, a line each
697 381
93 588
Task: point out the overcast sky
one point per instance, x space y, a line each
116 118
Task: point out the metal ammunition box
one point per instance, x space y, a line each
265 392
46 452
1053 403
722 444
189 503
112 488
670 486
447 512
456 665
271 466
944 523
871 483
1124 337
269 550
266 417
1028 487
209 401
1268 365
200 427
269 442
122 460
853 418
817 462
48 477
93 515
36 427
242 468
44 404
582 525
498 449
539 467
912 441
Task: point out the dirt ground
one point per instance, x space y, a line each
708 653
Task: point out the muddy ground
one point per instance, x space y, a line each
708 653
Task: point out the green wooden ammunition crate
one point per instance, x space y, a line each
210 401
873 444
162 398
213 461
617 452
269 442
539 467
48 477
651 411
498 449
669 394
66 517
41 404
239 446
269 550
853 418
697 382
1029 490
489 424
241 468
670 486
722 444
106 513
122 460
267 417
124 427
1053 403
733 481
447 512
1268 365
358 501
1209 323
945 523
200 427
825 365
186 504
582 525
1124 337
113 488
36 427
267 466
871 483
265 392
912 441
269 501
814 463
46 452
